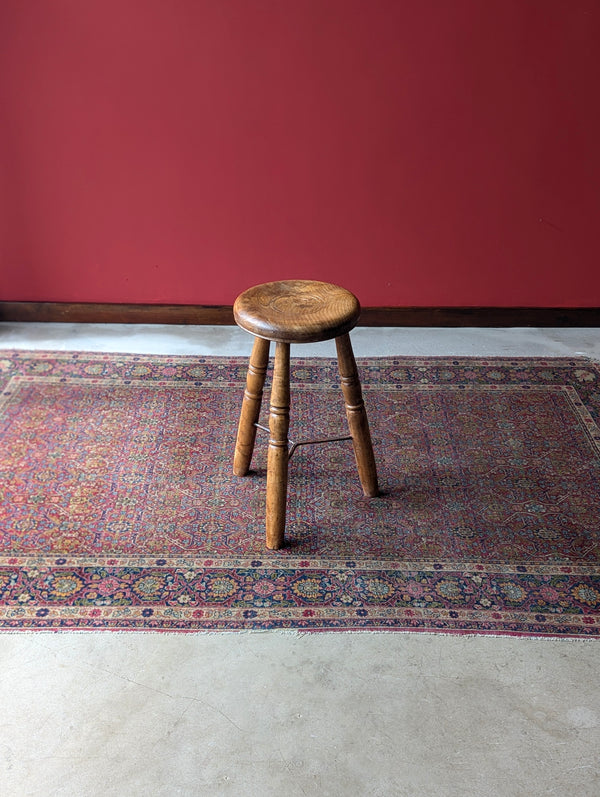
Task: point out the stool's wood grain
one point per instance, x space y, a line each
357 416
297 311
277 460
255 380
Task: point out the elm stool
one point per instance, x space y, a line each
296 311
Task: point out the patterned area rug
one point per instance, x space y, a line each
119 509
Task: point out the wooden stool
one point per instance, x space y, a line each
296 311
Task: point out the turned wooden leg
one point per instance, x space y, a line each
277 462
357 416
259 361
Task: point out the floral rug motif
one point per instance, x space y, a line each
119 509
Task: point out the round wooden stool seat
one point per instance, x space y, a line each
296 311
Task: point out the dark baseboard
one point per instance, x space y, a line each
480 317
95 313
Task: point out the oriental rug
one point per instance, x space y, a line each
119 509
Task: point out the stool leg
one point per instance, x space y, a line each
277 462
357 416
257 369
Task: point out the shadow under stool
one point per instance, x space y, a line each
296 311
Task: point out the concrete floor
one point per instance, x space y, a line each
275 713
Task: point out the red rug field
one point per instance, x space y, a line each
119 509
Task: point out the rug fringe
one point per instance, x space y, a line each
294 633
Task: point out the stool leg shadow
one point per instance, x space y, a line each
255 380
356 413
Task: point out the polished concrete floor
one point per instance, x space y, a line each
286 714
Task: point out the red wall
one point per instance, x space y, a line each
420 152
